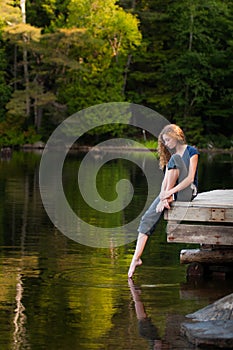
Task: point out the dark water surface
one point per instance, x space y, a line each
58 294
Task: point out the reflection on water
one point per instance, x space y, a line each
58 294
146 327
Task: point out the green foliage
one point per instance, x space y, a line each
10 13
5 90
151 144
192 74
67 63
16 108
218 141
105 20
183 68
31 136
42 13
14 137
73 54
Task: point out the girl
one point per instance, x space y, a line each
179 162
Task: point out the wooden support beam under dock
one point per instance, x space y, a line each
204 256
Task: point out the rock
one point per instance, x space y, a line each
216 333
215 326
221 309
39 144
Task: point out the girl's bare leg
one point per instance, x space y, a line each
136 261
173 175
142 238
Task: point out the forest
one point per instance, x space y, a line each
58 57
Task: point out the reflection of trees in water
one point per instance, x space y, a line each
20 332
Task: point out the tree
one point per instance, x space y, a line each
172 56
5 90
29 96
194 84
90 55
183 69
70 63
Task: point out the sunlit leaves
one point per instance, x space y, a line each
22 34
10 14
105 20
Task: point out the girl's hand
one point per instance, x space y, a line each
165 195
162 205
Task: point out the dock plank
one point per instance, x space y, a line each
218 198
200 234
180 212
212 206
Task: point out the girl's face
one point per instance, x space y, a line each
170 142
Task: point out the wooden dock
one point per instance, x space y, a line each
208 221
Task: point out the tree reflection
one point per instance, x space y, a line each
20 333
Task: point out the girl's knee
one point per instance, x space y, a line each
175 162
176 157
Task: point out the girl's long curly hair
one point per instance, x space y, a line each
173 131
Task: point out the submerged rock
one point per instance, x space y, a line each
215 326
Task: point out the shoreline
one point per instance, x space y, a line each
86 148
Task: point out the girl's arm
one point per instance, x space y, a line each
164 182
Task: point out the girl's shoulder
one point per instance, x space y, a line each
192 150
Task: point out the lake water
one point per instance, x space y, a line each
59 294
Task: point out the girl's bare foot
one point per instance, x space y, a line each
133 265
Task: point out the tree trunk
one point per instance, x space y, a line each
23 10
38 112
26 76
187 104
133 4
25 58
126 73
15 67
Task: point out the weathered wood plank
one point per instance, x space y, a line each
217 256
213 206
200 234
181 212
217 198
